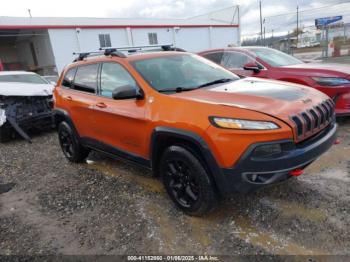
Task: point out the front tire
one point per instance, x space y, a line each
70 145
187 182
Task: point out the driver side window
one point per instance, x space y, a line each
235 60
114 76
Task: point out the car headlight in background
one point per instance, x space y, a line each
331 81
233 123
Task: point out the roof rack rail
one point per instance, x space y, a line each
132 49
83 55
106 52
115 51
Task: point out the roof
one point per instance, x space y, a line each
83 22
5 73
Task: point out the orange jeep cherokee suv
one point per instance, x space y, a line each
199 127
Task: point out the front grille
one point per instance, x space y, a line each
311 121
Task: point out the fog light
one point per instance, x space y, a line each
267 150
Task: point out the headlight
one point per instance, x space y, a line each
331 81
233 123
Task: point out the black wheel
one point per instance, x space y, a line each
5 134
187 182
70 145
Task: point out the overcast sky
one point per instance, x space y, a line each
183 9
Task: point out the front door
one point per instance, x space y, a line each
119 123
235 62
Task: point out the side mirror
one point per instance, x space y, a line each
253 67
127 92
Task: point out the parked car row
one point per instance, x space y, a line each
331 79
205 130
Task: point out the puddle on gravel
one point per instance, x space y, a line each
288 209
149 183
268 241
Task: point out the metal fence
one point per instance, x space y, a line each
296 33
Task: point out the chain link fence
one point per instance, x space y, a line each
296 33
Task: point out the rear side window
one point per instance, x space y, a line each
86 78
215 57
114 76
69 77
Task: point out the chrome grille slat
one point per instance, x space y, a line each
309 122
316 118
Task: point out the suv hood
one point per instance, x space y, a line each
276 98
326 68
24 89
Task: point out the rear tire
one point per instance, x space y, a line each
187 182
70 145
5 134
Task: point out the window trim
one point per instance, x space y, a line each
100 75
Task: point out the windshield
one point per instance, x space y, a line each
182 72
274 57
25 78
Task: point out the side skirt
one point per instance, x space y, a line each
115 152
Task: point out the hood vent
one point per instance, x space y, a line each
312 121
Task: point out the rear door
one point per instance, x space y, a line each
119 123
80 97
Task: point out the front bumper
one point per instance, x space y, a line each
343 104
252 173
340 96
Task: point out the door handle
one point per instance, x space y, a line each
101 105
69 98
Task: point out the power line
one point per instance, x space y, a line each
310 9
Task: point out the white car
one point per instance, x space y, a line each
25 103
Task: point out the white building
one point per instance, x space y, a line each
46 45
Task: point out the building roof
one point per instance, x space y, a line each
83 22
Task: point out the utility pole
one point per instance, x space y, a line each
261 25
30 13
264 36
272 39
297 25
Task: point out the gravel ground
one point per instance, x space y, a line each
107 206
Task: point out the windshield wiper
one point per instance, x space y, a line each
182 89
218 81
177 89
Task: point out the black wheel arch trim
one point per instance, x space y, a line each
194 138
58 112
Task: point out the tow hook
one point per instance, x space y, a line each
296 172
337 141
